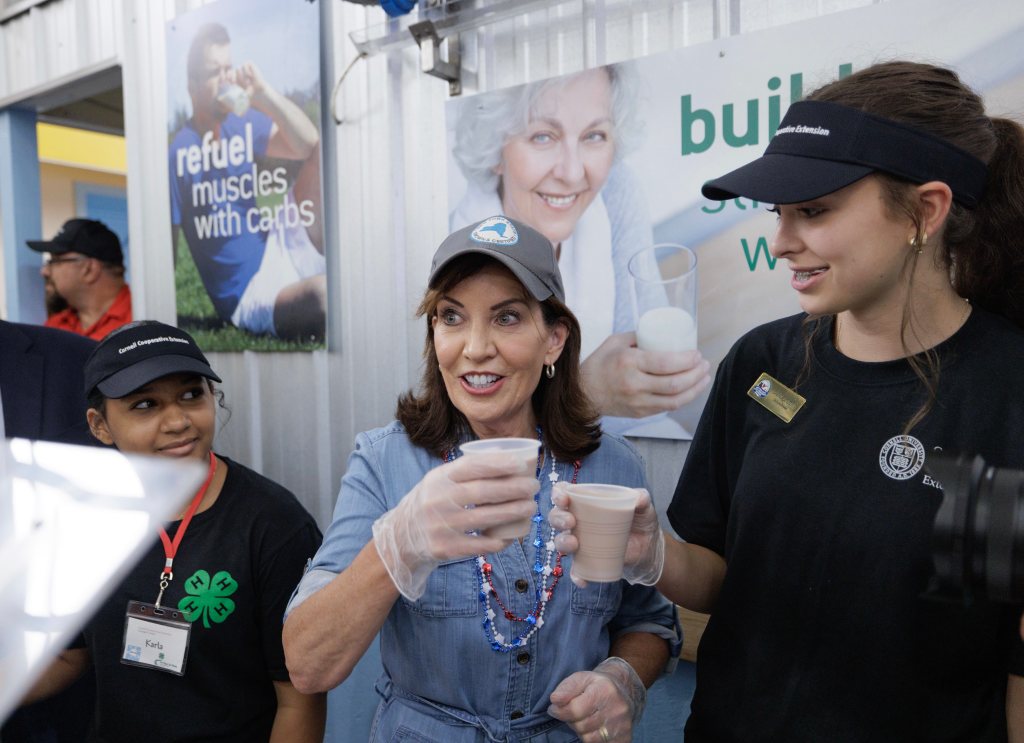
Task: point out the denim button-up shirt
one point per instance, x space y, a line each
442 681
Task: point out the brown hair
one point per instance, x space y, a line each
209 34
981 245
563 411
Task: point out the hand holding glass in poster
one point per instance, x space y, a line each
665 297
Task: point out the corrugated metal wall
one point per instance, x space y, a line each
294 416
58 40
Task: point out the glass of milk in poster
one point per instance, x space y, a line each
664 279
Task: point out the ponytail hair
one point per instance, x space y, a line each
986 244
982 245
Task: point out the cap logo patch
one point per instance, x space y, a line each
496 230
801 129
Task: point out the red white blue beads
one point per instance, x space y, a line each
547 570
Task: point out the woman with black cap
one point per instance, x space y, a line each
805 502
188 646
481 638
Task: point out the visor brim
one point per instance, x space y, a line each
131 378
784 179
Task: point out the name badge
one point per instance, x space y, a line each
776 397
156 638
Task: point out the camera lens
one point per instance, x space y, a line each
978 544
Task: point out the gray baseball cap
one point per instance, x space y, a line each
520 248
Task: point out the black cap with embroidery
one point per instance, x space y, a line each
524 251
136 354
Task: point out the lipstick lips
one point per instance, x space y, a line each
481 383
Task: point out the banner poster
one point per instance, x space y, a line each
610 161
243 132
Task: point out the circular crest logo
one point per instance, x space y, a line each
497 230
901 457
761 388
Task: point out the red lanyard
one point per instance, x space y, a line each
171 548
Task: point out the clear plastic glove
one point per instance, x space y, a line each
645 550
601 705
438 519
622 380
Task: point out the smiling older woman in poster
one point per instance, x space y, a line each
544 153
481 638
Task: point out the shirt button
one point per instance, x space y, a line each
522 585
516 715
523 658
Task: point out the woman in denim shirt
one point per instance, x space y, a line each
481 638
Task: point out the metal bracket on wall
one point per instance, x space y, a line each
436 29
439 57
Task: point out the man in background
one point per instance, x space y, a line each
84 266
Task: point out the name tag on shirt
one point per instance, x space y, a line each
156 638
776 397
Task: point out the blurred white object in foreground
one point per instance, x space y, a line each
73 521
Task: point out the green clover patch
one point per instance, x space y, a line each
208 597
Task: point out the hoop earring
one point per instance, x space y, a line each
549 371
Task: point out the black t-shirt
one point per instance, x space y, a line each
821 631
256 535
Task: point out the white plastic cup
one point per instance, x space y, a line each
604 514
527 450
664 280
233 98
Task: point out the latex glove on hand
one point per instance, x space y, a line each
622 380
601 705
645 550
435 520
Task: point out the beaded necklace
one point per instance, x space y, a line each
549 569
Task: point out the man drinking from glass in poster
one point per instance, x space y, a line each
255 238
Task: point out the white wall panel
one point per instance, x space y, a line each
19 69
50 43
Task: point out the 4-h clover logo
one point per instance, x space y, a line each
209 597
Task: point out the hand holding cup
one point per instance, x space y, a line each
644 552
521 452
447 516
600 517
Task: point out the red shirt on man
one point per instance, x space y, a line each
119 313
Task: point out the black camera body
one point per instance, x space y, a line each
978 536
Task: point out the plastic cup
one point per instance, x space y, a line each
527 450
604 514
664 279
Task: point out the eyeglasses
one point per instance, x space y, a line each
49 260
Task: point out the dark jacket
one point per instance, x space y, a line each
41 383
41 389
